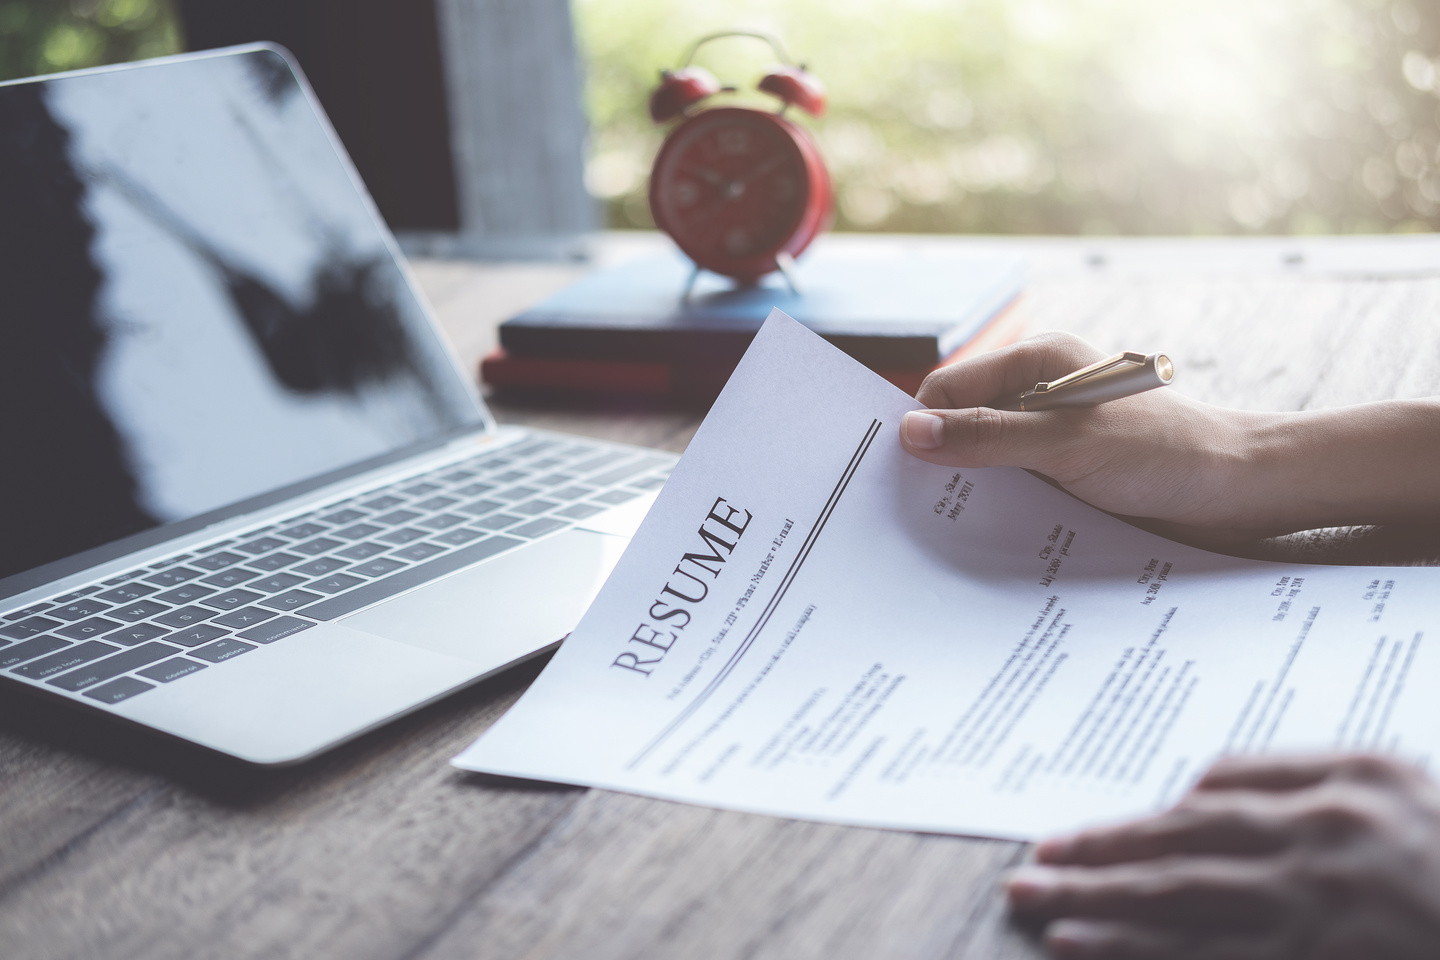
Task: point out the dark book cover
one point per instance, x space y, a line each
907 308
525 377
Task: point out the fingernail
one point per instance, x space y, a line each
1052 849
924 431
1073 939
1027 886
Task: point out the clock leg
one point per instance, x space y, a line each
690 284
786 263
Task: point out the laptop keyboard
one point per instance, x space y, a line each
118 638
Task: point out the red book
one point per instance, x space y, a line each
571 377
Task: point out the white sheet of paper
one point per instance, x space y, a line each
812 623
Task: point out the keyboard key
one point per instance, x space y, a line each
497 521
318 546
293 600
174 669
474 489
247 617
136 633
570 493
29 627
29 611
481 507
86 629
579 511
615 496
301 531
231 577
620 473
533 447
420 489
457 476
117 690
79 609
396 517
494 463
185 594
382 503
318 568
377 568
442 522
66 659
343 516
263 545
185 616
167 578
554 480
275 629
337 582
273 584
459 535
233 600
533 508
100 670
131 591
31 649
222 650
138 611
538 528
277 560
194 636
436 503
595 463
404 535
361 551
510 476
516 493
546 463
359 531
82 592
419 551
218 561
414 576
649 483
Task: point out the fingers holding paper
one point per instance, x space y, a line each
1326 857
1158 454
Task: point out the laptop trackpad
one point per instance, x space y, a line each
503 609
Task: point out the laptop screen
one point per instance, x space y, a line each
197 306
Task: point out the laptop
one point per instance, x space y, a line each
249 498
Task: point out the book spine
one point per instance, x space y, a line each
551 377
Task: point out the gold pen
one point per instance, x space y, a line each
1122 375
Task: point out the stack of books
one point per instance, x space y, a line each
631 331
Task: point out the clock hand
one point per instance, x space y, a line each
709 176
760 171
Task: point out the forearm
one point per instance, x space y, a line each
1373 463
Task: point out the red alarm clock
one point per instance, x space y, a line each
741 191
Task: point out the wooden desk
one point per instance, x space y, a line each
115 845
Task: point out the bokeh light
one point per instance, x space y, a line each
1065 116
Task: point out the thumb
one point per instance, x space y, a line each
984 437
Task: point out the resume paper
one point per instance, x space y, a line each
812 623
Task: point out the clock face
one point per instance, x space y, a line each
734 187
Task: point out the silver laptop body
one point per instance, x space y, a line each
249 498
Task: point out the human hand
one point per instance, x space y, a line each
1320 858
1158 455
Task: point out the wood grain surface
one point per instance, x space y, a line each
117 845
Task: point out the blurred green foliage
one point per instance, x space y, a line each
46 36
999 116
1064 116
